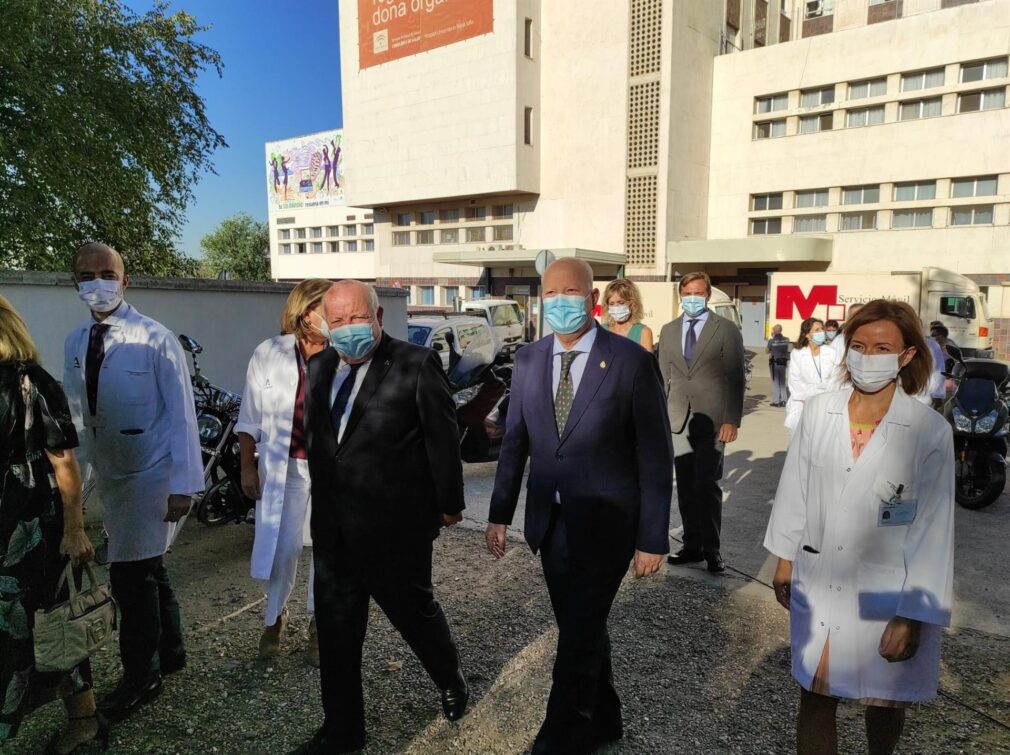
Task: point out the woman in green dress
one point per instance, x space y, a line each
622 313
41 524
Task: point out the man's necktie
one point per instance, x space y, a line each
93 363
340 402
566 391
690 341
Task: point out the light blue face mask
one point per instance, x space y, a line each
693 305
819 337
352 341
566 313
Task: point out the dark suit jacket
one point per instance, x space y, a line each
612 464
397 469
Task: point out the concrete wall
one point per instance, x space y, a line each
228 318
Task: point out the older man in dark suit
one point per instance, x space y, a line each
587 410
377 404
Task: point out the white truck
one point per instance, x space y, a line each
934 293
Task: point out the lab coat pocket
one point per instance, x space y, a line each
133 451
134 386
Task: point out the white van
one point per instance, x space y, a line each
505 318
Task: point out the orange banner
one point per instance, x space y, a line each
392 29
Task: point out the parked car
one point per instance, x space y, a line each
464 342
504 316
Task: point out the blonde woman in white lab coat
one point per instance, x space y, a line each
863 527
813 369
271 422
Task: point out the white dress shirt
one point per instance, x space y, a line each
338 380
583 346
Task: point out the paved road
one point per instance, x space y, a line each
753 465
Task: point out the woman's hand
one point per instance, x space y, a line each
900 640
782 582
77 547
251 482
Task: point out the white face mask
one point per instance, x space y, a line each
871 373
101 295
620 312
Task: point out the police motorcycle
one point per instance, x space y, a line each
216 416
978 413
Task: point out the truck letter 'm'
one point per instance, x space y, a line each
789 296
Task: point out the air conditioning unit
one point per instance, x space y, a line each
508 246
492 248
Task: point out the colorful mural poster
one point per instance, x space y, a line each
306 171
392 29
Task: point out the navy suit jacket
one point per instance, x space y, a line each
613 462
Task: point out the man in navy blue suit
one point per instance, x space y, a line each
589 411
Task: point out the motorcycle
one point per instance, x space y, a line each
216 416
978 412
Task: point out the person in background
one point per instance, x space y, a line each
830 331
129 391
811 369
272 422
863 528
939 333
778 363
39 527
623 313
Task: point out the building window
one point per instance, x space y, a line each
812 198
426 218
350 246
914 190
528 38
870 88
476 213
401 238
426 295
449 295
367 229
913 82
474 235
369 245
317 247
980 186
285 249
771 103
528 125
912 219
402 218
503 233
299 248
858 221
765 226
818 8
917 109
299 233
981 215
350 230
817 97
861 195
284 234
333 230
449 236
333 246
770 129
449 216
983 70
350 217
502 211
880 2
316 233
478 292
810 224
812 124
285 221
761 202
990 99
866 116
425 237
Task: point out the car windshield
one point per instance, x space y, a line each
505 314
418 334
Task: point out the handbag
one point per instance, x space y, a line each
69 632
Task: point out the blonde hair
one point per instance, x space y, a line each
16 344
628 291
306 295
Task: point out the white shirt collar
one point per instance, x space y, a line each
584 344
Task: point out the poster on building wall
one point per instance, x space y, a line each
392 29
306 171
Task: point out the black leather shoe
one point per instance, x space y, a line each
172 664
684 556
715 563
455 698
127 697
323 744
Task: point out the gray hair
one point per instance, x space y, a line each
370 293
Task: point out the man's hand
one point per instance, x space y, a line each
178 507
900 640
783 582
647 564
251 483
448 520
77 547
494 535
727 433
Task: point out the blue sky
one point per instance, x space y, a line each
281 78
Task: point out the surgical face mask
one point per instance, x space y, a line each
620 312
100 295
693 305
831 335
352 341
566 313
819 337
871 373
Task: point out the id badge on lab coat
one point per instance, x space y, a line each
894 513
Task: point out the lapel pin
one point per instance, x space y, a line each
603 365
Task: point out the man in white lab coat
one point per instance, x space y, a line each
129 391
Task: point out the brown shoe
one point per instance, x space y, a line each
270 641
312 649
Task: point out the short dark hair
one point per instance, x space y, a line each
691 277
915 375
939 329
831 324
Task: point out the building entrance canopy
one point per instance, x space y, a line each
603 263
792 252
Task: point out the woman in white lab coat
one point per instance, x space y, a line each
271 423
863 527
812 369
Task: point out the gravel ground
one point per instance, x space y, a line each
702 667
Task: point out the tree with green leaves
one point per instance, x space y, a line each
102 132
240 246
